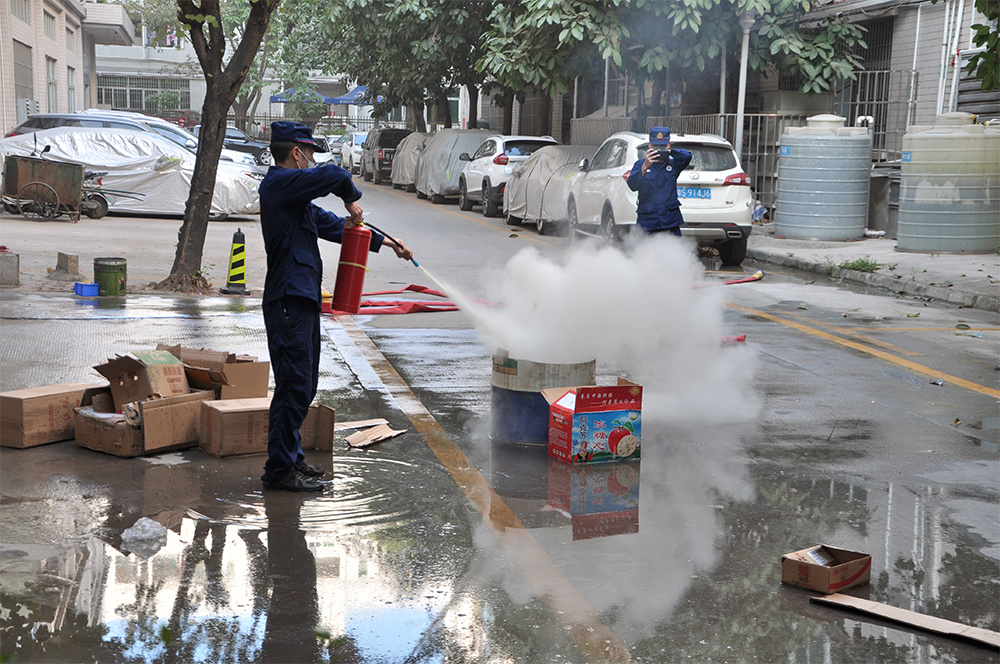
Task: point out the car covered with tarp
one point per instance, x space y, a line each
439 167
144 163
404 166
538 189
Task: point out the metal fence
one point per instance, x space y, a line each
888 99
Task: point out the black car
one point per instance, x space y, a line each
377 152
237 140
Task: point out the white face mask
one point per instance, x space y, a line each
309 162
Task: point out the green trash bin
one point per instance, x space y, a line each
110 275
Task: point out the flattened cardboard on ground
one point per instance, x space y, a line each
169 423
39 415
373 435
591 423
360 424
231 376
919 620
843 569
239 426
143 374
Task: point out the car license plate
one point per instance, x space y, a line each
694 192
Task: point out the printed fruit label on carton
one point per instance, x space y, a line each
605 436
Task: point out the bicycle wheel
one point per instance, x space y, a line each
39 201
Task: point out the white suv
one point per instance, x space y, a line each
483 179
716 201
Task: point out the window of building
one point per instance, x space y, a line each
143 94
71 89
50 26
21 9
51 85
24 76
70 41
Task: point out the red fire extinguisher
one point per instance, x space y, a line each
354 246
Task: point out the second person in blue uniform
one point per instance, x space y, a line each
655 178
292 226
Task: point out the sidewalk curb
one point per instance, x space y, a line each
904 286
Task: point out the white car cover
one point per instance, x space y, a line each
538 189
404 162
143 163
439 167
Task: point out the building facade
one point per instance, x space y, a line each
47 54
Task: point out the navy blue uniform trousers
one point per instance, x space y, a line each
293 340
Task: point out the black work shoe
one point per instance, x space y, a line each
309 470
293 480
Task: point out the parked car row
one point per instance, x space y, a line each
580 189
95 118
154 168
555 188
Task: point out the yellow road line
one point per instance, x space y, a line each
972 328
595 641
882 355
854 334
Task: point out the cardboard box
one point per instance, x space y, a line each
39 415
239 426
600 499
826 568
595 423
144 374
147 427
231 376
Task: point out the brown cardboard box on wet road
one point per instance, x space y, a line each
239 426
826 568
39 415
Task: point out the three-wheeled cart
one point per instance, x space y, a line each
41 189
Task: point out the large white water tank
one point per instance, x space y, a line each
823 180
949 196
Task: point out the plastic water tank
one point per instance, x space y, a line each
823 180
949 198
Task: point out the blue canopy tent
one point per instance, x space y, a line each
357 96
289 97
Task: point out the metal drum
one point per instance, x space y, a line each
823 181
520 414
949 198
111 275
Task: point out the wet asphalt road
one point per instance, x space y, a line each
442 546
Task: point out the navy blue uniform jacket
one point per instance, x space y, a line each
292 226
658 208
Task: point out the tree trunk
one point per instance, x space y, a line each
185 274
223 86
508 113
473 105
656 99
545 129
417 113
446 108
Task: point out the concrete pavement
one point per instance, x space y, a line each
968 280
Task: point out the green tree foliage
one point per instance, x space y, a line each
986 65
544 42
410 52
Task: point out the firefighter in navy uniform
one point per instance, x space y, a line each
292 226
655 178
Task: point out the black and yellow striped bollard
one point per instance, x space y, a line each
237 282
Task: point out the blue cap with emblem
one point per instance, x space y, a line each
293 132
659 136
